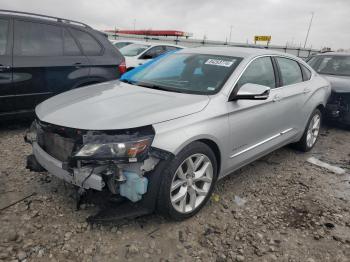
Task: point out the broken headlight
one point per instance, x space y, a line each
130 151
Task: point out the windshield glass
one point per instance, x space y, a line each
187 73
331 65
133 49
121 44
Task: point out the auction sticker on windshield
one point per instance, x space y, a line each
219 62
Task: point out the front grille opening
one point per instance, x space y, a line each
58 142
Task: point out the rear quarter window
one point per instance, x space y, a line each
90 45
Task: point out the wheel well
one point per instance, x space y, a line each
320 107
213 146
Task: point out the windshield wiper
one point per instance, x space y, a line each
158 87
127 81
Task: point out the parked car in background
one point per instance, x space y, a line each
164 136
138 53
122 43
336 68
41 56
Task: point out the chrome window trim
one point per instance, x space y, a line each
270 55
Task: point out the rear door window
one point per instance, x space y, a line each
37 39
4 25
89 44
70 46
290 71
259 72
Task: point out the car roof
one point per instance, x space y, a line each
151 44
46 19
234 51
333 54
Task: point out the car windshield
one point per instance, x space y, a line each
331 65
133 49
120 45
187 73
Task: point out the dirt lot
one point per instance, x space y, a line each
280 208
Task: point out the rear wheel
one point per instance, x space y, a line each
188 182
311 132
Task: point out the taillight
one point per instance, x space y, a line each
122 67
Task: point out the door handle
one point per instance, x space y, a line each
4 67
77 65
306 90
276 98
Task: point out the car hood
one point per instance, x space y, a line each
133 61
340 84
117 105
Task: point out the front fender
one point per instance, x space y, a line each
176 134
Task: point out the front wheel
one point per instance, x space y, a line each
311 133
188 182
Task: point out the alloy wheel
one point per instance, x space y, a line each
313 130
191 183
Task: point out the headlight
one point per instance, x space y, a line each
130 151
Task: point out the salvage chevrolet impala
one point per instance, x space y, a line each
163 137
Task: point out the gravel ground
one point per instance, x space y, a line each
279 208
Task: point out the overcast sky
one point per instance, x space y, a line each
284 20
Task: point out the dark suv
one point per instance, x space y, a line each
336 68
41 56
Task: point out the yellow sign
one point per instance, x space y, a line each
266 38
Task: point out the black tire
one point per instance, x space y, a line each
164 205
302 145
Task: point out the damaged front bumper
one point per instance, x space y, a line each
86 177
54 150
338 107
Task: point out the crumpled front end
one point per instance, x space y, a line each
338 107
118 161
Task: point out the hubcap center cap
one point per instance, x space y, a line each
189 182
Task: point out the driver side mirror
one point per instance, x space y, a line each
252 92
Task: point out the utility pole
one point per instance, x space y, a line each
229 39
308 30
134 24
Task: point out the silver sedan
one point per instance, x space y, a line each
163 135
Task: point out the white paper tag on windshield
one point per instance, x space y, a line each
219 62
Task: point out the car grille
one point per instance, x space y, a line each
54 142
